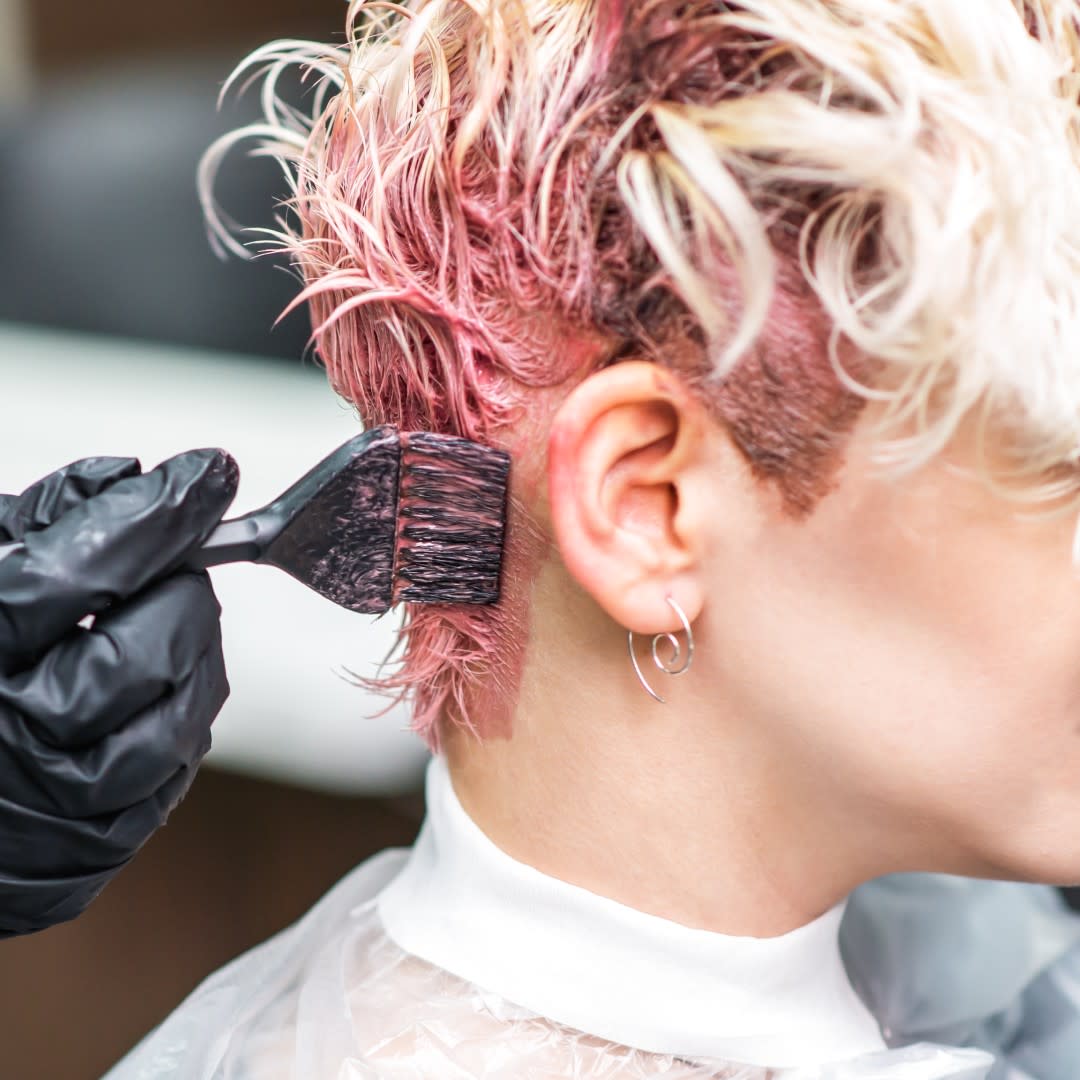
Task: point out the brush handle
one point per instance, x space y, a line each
248 538
243 539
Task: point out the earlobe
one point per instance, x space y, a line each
625 463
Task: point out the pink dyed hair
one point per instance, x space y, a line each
732 190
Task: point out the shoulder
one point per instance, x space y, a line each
968 962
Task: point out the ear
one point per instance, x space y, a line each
628 467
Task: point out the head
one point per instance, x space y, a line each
776 306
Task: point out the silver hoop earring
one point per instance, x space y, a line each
675 664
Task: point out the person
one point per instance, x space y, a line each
102 727
766 761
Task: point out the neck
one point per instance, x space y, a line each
675 810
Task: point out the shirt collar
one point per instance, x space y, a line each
595 965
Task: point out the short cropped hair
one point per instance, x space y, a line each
801 205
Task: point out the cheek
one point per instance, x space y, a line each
930 665
1010 610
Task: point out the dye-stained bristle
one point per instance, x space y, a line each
451 520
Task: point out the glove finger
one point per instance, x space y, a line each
27 907
53 496
72 861
107 548
40 845
130 764
95 680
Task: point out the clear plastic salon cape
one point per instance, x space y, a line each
969 980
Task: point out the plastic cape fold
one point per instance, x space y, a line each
955 960
969 980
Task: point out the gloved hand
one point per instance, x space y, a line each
101 729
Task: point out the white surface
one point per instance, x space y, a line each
292 715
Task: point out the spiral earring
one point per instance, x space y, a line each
672 665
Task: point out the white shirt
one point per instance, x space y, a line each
595 965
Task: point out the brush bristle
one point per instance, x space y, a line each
451 520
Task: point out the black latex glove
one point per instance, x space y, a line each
101 729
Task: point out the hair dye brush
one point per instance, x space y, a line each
390 516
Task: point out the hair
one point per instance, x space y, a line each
801 205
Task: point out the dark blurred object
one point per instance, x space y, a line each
68 33
103 232
239 860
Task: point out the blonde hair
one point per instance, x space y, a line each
807 191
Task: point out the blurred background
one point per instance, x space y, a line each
121 333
